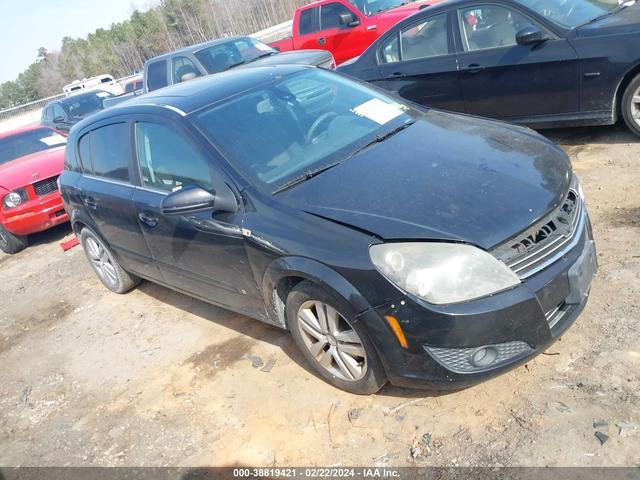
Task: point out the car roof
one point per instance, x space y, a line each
196 47
186 97
17 131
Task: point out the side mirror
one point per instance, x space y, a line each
530 36
192 199
349 20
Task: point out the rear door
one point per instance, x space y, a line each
106 192
201 253
308 35
419 63
502 79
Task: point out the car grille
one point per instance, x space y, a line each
545 242
45 187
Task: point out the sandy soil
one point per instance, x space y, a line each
157 378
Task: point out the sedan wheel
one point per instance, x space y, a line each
332 341
108 270
101 262
631 105
635 106
335 345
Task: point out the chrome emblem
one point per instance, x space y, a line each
36 176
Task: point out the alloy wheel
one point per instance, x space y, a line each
332 341
635 106
101 261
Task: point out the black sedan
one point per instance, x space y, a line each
64 113
543 63
394 243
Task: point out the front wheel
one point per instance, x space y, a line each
333 343
10 243
107 268
631 105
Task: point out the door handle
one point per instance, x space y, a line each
473 68
397 75
322 41
91 202
148 219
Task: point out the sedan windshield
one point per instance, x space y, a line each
224 56
571 13
79 106
26 143
300 124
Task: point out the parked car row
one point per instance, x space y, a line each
396 242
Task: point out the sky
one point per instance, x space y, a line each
28 25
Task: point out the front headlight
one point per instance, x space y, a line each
15 198
442 273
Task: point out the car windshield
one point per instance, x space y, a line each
571 13
371 7
26 143
79 106
224 56
299 124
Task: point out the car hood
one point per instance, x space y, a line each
624 21
31 168
298 57
447 177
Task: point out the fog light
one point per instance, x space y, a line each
484 356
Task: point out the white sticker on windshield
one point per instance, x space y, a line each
378 111
52 140
102 94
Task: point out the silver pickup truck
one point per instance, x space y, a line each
215 57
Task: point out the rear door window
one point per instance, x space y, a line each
105 152
157 75
309 21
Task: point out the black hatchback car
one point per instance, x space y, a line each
420 247
543 63
64 113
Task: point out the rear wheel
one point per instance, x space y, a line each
333 343
108 270
10 243
631 105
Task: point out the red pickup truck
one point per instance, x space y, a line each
345 27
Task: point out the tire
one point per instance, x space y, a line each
352 363
10 243
104 264
631 105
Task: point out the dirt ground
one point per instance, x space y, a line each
157 378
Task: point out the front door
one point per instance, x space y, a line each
200 253
343 41
419 63
502 79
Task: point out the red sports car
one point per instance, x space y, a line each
31 159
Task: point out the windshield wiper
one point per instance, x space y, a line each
381 138
244 62
622 6
304 177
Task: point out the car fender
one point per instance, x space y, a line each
308 269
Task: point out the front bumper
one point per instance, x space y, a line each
514 325
35 215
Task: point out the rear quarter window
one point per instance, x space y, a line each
157 75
